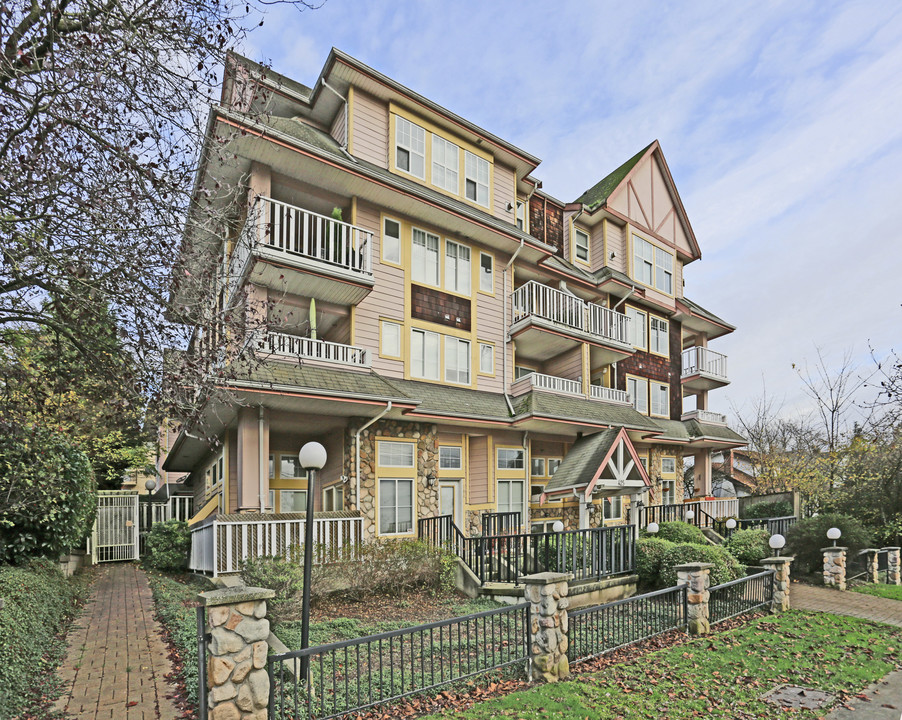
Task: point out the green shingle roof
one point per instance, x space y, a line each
699 310
601 191
453 400
672 430
542 404
303 132
711 430
582 460
609 273
309 377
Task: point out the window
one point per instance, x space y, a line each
457 361
292 501
521 215
391 339
272 467
553 465
486 273
521 371
477 179
333 498
450 457
290 467
394 454
652 266
613 508
543 526
581 244
445 162
638 328
272 501
510 459
391 241
660 399
510 496
424 354
424 257
668 492
638 392
395 506
410 148
486 359
537 467
658 336
668 466
644 460
457 267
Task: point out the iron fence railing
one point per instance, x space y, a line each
741 596
349 676
858 567
701 517
588 554
773 525
603 628
501 523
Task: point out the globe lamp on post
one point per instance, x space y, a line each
834 534
312 458
776 542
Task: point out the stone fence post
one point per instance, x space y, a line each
547 594
237 681
780 566
871 574
698 577
893 565
835 567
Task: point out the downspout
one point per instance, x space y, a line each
344 145
527 463
263 462
357 450
506 339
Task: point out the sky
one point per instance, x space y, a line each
781 123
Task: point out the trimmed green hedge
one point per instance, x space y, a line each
650 552
726 567
38 601
750 547
806 538
681 532
168 545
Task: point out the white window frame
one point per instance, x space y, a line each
517 451
333 496
638 392
663 271
521 217
458 269
655 399
391 244
486 359
510 506
411 138
385 447
532 466
578 246
487 279
425 257
652 265
473 168
612 508
391 338
668 460
396 506
423 344
293 459
454 453
638 323
658 335
445 164
284 493
557 463
457 360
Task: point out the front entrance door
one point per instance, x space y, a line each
449 500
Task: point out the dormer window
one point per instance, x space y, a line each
581 245
477 179
410 148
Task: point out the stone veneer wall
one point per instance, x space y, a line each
656 452
426 435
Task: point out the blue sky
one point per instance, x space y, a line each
781 123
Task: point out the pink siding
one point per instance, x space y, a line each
505 193
663 205
490 328
596 247
478 485
616 245
566 365
339 130
369 126
331 473
386 300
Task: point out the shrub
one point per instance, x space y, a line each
38 599
681 532
749 547
167 546
393 565
284 575
47 493
775 508
726 567
650 552
806 538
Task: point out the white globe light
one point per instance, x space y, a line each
150 485
834 533
689 515
653 528
777 542
731 523
312 456
558 526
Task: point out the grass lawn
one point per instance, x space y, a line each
720 676
893 592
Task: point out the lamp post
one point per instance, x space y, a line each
776 543
834 534
312 458
690 516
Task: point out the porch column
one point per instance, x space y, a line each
253 452
702 473
548 635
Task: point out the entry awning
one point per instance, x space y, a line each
604 464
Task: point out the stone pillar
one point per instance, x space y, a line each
237 681
780 566
835 567
547 594
893 565
871 575
698 577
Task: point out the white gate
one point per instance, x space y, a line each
115 534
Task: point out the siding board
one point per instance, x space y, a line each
504 192
370 129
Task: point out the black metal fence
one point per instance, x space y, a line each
673 513
741 596
857 569
603 628
588 554
352 675
773 525
501 523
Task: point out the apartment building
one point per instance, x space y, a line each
461 341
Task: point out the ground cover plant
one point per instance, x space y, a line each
721 676
893 592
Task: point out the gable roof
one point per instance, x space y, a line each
598 194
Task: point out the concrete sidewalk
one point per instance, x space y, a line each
116 661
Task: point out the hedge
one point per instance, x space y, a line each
750 547
681 532
650 552
726 567
806 538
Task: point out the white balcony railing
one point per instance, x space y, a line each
308 349
611 395
706 416
702 360
555 384
535 299
726 507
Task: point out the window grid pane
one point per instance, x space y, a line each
486 273
424 257
395 454
391 241
510 459
449 458
445 162
582 245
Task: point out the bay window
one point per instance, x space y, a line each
652 266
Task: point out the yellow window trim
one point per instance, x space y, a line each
400 325
648 334
647 328
442 331
631 230
414 504
478 358
667 385
672 475
509 474
453 473
391 470
588 261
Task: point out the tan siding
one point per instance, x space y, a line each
370 129
505 192
331 473
596 247
678 279
566 365
490 328
339 130
478 484
386 300
232 504
663 205
616 245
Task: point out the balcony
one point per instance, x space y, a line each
564 386
297 251
546 322
703 369
705 416
282 346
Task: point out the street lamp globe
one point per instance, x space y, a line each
777 542
834 534
689 515
653 528
731 523
558 526
312 456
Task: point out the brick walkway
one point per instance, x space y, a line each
821 599
116 660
